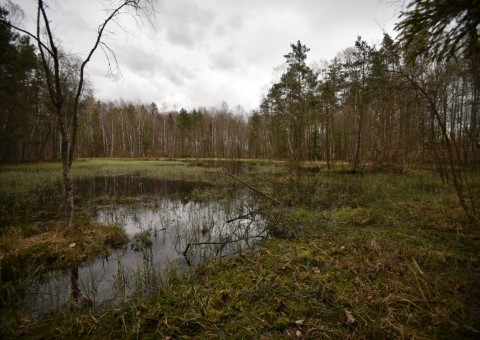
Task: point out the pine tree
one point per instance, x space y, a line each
293 102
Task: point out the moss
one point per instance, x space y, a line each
355 216
282 323
305 256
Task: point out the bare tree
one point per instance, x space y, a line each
52 62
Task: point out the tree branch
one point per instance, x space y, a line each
27 33
101 28
56 63
253 188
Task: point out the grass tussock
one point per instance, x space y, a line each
23 250
374 256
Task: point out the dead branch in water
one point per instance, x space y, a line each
222 243
253 188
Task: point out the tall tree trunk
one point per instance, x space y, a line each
66 166
358 141
327 136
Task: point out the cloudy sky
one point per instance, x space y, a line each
203 52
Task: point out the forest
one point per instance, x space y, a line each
369 104
375 152
384 104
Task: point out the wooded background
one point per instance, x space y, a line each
385 104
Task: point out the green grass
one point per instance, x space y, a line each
23 178
375 256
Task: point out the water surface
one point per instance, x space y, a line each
166 229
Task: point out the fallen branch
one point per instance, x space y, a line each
222 243
253 188
267 179
241 217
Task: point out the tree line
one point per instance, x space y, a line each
368 104
120 129
31 130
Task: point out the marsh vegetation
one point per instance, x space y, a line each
132 228
380 253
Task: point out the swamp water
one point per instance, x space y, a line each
165 227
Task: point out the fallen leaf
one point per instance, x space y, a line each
316 270
73 244
342 247
299 322
350 319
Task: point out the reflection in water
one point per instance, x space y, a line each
87 189
162 233
75 289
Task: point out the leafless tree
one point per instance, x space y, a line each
53 65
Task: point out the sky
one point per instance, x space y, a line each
200 53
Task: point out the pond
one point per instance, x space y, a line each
166 227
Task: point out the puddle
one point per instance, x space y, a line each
166 231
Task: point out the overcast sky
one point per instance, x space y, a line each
202 52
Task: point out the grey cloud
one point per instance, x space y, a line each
206 51
186 22
231 25
180 36
174 76
224 60
176 73
139 59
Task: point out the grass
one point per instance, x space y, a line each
23 178
387 282
26 250
376 256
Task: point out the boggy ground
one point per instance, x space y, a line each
33 251
380 255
